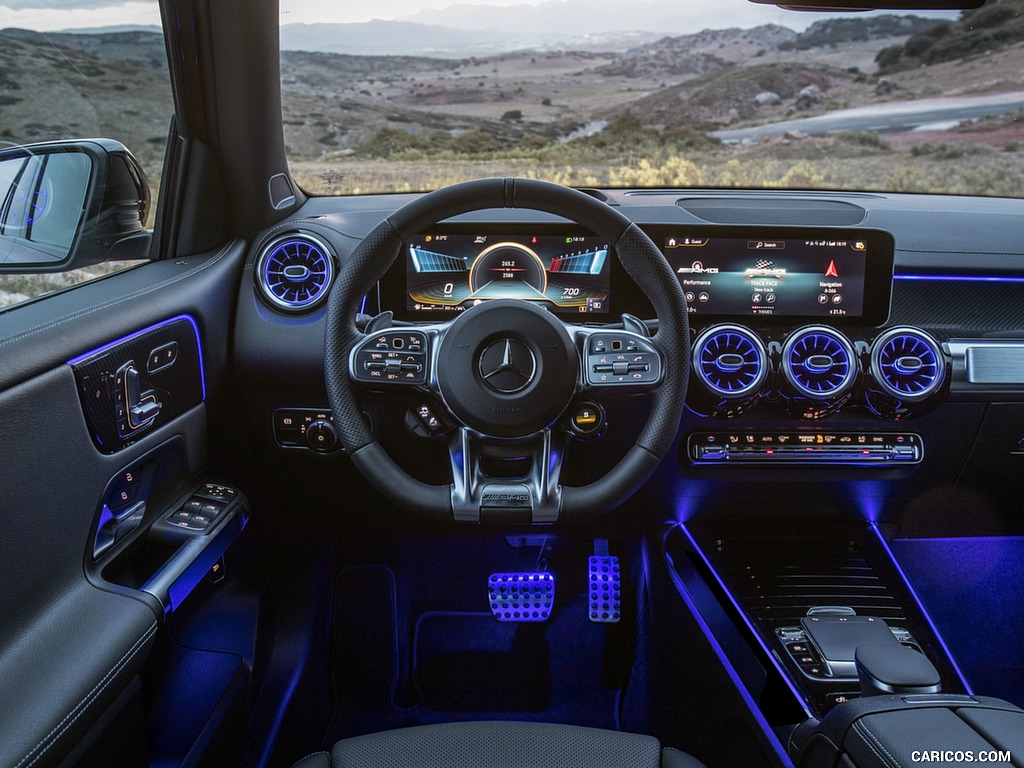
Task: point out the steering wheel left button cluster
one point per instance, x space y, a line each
395 356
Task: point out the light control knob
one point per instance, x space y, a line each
320 436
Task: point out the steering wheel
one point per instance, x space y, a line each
507 370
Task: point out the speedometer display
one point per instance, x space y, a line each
449 272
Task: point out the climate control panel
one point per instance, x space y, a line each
794 447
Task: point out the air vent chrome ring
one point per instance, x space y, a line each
730 361
819 362
907 364
294 271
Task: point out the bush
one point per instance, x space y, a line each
868 139
889 57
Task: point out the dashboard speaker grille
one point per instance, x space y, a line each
907 363
819 362
730 361
294 272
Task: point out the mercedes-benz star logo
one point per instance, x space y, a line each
507 366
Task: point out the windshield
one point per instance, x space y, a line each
409 95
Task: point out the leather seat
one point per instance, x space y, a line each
500 745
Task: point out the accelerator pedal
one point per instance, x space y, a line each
605 589
521 596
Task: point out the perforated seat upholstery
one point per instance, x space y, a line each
500 745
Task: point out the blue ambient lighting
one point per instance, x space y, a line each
771 657
130 337
920 605
719 651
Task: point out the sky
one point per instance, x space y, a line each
49 15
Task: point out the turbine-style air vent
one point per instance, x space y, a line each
907 364
730 361
294 272
819 362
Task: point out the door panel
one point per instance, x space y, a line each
70 643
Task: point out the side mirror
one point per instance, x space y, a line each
69 204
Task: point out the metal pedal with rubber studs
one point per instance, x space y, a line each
605 589
521 596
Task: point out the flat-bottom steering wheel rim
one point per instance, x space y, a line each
640 258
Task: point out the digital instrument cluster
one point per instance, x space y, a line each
448 272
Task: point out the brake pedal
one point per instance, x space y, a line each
605 589
521 596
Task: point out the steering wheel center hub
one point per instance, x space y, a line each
507 368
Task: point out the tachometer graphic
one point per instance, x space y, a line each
504 270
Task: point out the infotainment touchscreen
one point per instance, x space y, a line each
832 274
447 272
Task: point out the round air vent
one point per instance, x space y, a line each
819 362
730 361
294 272
907 364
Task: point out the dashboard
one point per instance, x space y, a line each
914 376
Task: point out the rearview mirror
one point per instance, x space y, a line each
873 5
69 204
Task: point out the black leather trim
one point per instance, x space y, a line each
891 738
315 760
68 647
498 745
45 333
674 758
886 730
1004 729
69 667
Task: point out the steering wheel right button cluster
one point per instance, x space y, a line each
620 358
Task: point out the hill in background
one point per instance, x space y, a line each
993 27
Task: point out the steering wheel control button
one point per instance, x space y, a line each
507 366
424 421
618 358
521 597
396 356
587 421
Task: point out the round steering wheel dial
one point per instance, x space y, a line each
507 370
